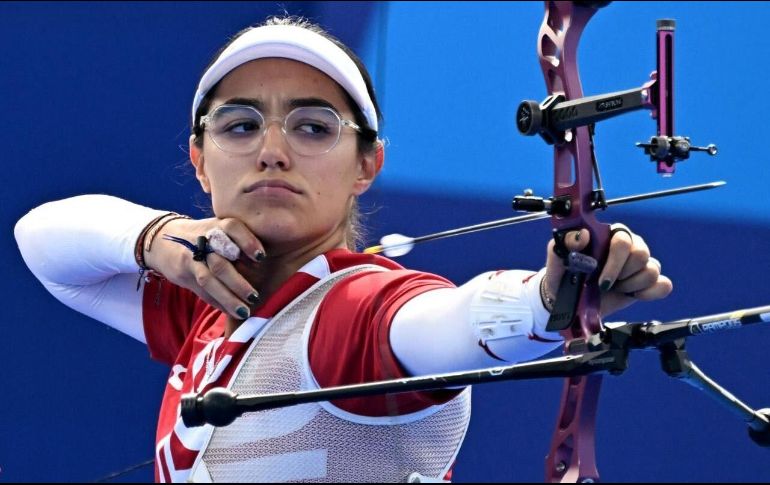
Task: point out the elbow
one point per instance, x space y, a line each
24 232
39 239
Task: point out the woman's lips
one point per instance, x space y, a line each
272 186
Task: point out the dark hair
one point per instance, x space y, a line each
367 138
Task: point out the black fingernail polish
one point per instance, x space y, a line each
577 236
253 298
242 312
259 255
631 294
606 285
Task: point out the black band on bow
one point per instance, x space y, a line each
560 248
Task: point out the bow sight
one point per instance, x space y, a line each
552 118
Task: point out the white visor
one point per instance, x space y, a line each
299 44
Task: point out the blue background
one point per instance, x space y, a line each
95 99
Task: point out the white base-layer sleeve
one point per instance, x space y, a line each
82 250
447 330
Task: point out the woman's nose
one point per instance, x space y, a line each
275 150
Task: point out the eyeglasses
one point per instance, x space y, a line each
309 130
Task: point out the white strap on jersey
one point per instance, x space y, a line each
417 478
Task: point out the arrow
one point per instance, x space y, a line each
395 245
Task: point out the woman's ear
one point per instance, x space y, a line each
380 155
370 166
196 157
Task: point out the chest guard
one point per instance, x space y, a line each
319 442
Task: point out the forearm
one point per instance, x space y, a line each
492 318
82 250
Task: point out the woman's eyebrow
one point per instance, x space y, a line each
290 104
301 102
257 103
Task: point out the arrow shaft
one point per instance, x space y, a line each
508 221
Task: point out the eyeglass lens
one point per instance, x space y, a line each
308 130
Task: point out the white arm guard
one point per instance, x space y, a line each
494 316
82 250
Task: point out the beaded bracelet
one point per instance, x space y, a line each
144 241
157 227
548 302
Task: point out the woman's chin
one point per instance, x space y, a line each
281 232
276 233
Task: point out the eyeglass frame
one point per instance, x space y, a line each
205 124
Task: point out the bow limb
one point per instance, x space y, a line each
572 453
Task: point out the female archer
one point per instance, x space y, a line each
271 296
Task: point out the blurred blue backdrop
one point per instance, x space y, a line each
96 100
